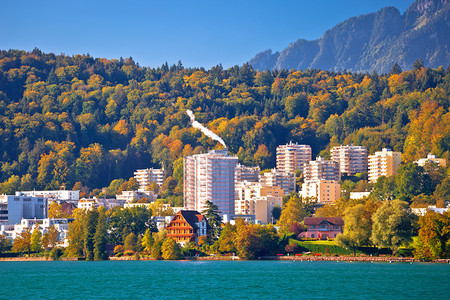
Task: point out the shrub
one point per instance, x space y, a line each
118 249
128 253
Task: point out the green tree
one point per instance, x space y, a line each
357 228
214 219
412 181
130 242
90 227
276 212
170 249
100 236
148 241
226 239
75 238
36 237
392 225
5 243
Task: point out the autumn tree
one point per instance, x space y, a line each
170 249
22 242
434 233
50 238
293 211
55 211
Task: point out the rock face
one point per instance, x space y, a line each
372 42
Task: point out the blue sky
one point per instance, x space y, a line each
199 33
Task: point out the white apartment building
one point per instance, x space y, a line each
325 191
383 163
146 176
244 173
43 225
292 157
321 169
432 158
129 196
22 207
281 179
57 195
351 159
210 176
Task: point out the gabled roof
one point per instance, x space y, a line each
319 220
192 217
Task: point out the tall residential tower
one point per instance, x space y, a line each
351 159
210 176
292 157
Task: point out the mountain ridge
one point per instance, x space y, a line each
373 41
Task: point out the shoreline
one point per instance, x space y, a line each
280 258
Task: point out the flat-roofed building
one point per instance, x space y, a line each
129 196
244 173
248 192
281 179
321 169
146 176
325 191
383 163
351 159
210 176
23 207
442 162
292 157
56 195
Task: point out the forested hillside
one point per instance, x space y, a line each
85 121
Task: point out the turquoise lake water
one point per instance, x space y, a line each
223 280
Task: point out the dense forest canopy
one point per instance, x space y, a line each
82 121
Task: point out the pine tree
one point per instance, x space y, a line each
212 214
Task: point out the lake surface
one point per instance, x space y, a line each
223 280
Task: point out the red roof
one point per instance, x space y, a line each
319 220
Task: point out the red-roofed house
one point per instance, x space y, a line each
322 228
187 226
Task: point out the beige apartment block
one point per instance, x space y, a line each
383 163
146 176
351 159
210 176
248 191
292 157
325 191
281 179
321 169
